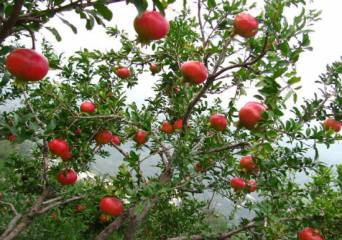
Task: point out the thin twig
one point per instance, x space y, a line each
224 148
58 203
11 206
121 150
200 20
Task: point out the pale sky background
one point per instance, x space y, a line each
326 41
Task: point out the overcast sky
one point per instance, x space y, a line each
326 40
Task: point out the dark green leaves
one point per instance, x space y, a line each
211 3
66 22
104 11
141 5
55 33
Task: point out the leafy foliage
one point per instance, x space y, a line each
280 143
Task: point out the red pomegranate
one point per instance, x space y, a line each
218 122
309 234
332 124
59 147
251 186
166 127
11 138
237 183
88 107
111 206
140 137
151 25
67 177
77 131
27 64
248 164
116 140
123 72
250 114
194 72
199 167
103 137
178 124
245 25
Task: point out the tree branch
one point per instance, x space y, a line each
223 148
115 225
246 63
121 150
10 23
58 203
222 236
208 83
200 20
11 206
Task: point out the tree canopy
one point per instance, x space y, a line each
202 143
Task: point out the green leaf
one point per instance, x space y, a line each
211 4
73 28
306 40
90 23
55 33
140 5
102 9
51 126
294 80
161 6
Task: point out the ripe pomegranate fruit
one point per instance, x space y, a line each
199 167
309 234
59 147
27 64
154 68
248 164
245 25
332 124
166 127
123 72
218 121
77 131
111 206
88 107
250 114
116 140
151 25
11 137
67 177
251 185
237 183
178 124
194 72
80 208
140 137
103 137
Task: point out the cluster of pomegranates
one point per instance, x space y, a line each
168 128
247 164
29 65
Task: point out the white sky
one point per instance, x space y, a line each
326 41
